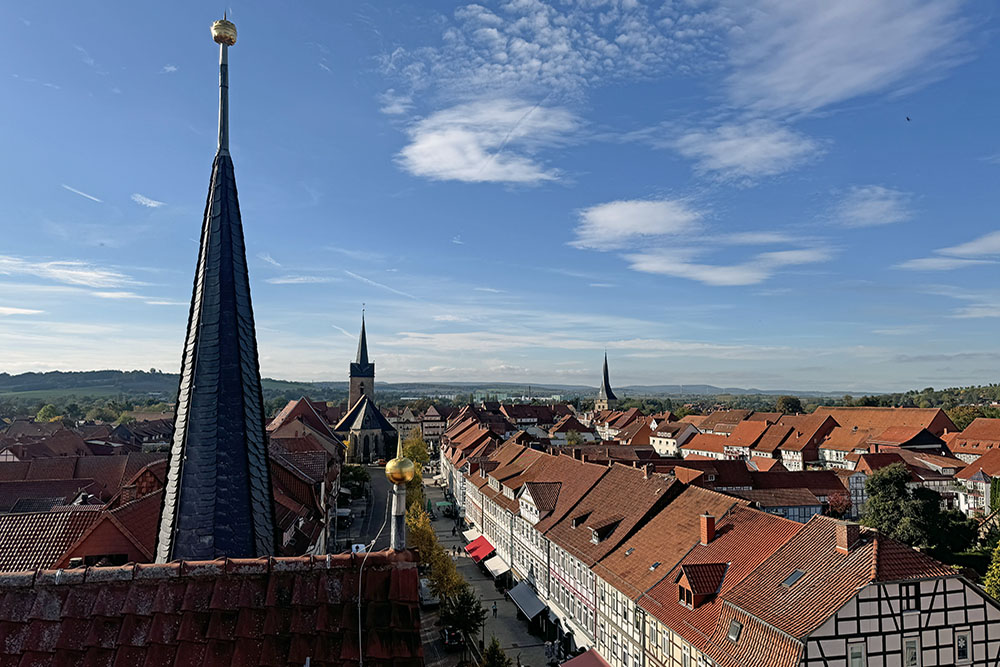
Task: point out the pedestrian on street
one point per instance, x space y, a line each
494 609
453 531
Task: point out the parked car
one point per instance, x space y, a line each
427 597
451 638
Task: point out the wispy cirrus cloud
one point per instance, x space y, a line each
746 150
982 250
680 264
7 311
487 141
82 193
168 69
394 104
799 57
68 272
616 224
266 256
143 200
383 286
301 280
872 205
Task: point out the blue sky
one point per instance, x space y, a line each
724 192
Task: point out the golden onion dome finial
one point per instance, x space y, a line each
400 470
224 32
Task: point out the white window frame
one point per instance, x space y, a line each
864 653
916 643
967 633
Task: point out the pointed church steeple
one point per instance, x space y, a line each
218 500
362 371
362 344
606 398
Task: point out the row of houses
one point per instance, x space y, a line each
648 569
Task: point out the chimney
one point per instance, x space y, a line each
707 528
129 493
847 536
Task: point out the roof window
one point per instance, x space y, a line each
654 566
735 627
792 578
628 552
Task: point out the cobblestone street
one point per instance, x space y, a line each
512 632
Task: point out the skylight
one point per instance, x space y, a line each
792 578
735 627
654 566
628 552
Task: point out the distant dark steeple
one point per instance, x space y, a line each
606 398
218 499
362 371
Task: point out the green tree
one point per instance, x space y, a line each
992 581
463 611
494 656
355 477
573 438
415 449
790 405
48 413
963 415
887 496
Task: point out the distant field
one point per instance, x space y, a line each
48 394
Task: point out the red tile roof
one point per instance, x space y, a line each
979 437
38 539
278 611
621 501
988 463
696 420
703 578
731 417
830 580
665 539
747 433
876 420
705 442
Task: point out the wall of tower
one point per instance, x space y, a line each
360 386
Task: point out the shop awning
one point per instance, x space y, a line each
589 658
497 566
479 548
443 503
471 535
526 600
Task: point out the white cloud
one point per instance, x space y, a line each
169 69
343 331
69 272
746 151
988 244
368 281
82 194
266 256
678 263
300 280
394 104
449 318
615 224
486 141
939 263
143 200
457 240
871 205
531 46
6 311
803 56
982 250
491 290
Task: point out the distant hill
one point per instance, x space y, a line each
164 386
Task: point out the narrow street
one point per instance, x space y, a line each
369 515
520 646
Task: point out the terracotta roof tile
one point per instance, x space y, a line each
38 539
876 420
215 613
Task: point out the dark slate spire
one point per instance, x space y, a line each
363 345
605 391
218 499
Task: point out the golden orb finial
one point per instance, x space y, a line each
400 470
224 32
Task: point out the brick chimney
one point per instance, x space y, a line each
129 493
848 535
707 528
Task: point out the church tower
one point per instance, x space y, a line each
217 501
606 399
362 373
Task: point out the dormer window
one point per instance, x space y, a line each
685 597
578 520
